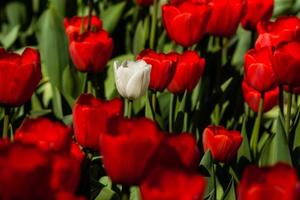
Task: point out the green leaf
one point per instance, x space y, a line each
148 109
139 38
59 5
230 191
282 6
276 149
10 37
53 45
112 15
16 13
106 194
244 150
135 193
56 103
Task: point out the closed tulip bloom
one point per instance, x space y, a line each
127 148
287 63
90 51
132 78
257 10
172 184
258 67
50 136
189 69
252 97
274 182
162 70
222 143
185 23
25 173
90 117
226 16
19 76
284 29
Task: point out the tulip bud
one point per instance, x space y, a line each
132 78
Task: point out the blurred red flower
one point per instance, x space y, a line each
252 97
277 182
128 147
222 143
90 50
185 23
19 76
189 69
90 117
226 16
259 72
287 63
284 29
162 70
257 10
144 2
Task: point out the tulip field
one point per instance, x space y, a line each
149 100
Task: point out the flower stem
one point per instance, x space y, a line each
153 102
5 123
172 97
255 132
129 109
153 24
288 113
91 4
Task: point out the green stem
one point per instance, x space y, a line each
280 101
125 193
5 123
90 2
215 179
255 132
153 24
129 109
153 102
288 113
232 172
172 97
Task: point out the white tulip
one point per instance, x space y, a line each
132 78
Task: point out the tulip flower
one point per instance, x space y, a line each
275 182
132 78
287 63
226 16
189 69
90 117
252 97
259 72
90 50
185 23
162 70
25 172
257 10
50 136
19 76
284 29
222 143
128 147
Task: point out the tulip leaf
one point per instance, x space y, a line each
10 37
230 191
282 6
16 13
53 45
107 194
59 5
135 193
112 15
296 131
148 109
56 103
276 149
139 39
244 150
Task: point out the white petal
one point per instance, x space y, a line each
134 86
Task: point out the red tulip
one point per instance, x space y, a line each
189 69
19 76
259 72
172 184
128 148
25 173
277 182
176 2
222 143
185 23
226 16
90 117
162 70
73 26
144 2
287 63
252 97
257 10
294 90
284 29
50 136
